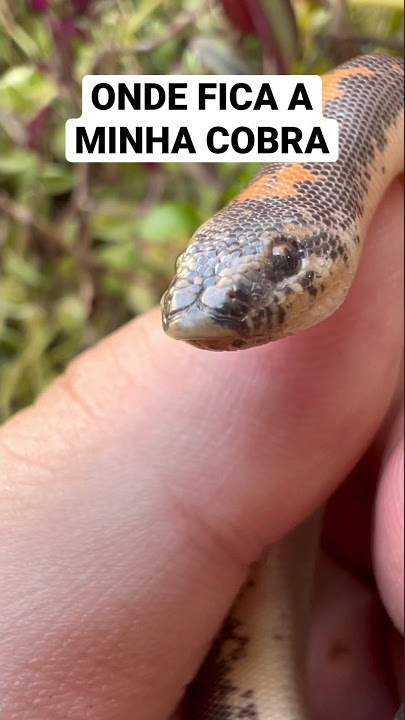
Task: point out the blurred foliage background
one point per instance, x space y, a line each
85 248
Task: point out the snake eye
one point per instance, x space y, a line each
285 258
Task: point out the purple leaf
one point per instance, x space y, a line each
272 22
39 6
36 128
81 6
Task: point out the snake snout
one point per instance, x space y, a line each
210 316
194 324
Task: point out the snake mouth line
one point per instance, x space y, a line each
217 344
196 325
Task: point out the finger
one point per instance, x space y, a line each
349 668
356 655
143 482
352 506
388 541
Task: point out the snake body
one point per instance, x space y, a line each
255 669
278 259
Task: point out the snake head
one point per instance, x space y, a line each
239 285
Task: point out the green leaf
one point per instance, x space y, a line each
113 228
57 179
21 270
386 4
12 292
114 286
17 77
17 162
25 90
168 221
118 257
24 41
70 313
140 297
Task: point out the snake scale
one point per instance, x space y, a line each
278 259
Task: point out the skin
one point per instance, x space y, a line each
140 486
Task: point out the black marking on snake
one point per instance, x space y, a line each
226 702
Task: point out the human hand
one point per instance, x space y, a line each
142 484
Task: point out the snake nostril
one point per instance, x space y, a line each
227 301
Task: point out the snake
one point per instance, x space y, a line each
280 258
